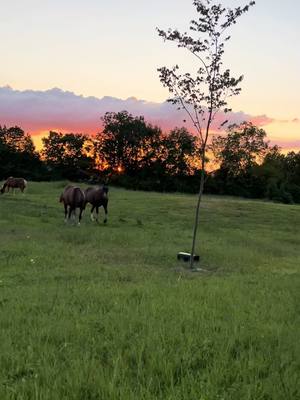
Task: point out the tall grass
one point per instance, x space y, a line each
107 312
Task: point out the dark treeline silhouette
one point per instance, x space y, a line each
250 167
69 156
18 156
137 155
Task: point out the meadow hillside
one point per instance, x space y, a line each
106 311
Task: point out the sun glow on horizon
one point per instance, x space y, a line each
37 139
38 136
286 134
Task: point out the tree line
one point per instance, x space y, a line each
135 154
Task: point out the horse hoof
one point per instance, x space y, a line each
105 221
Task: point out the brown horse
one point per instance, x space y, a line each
97 197
13 183
73 197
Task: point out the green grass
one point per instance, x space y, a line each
106 311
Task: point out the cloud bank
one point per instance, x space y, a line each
40 111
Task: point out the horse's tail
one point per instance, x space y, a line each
61 198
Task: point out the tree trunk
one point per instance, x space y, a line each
196 223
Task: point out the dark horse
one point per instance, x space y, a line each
97 197
73 197
14 183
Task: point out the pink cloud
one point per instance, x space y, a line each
40 111
261 120
287 144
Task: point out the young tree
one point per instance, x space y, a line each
203 94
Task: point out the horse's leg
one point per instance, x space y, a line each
66 211
105 209
70 213
74 215
80 214
97 213
92 211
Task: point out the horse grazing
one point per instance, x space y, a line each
73 197
14 183
97 197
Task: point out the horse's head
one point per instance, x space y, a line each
105 188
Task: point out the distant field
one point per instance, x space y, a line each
104 312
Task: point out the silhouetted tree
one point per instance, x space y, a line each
127 144
250 167
180 149
237 152
68 154
16 139
282 176
203 94
240 154
18 155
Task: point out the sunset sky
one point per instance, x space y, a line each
88 49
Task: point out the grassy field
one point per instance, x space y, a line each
106 311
